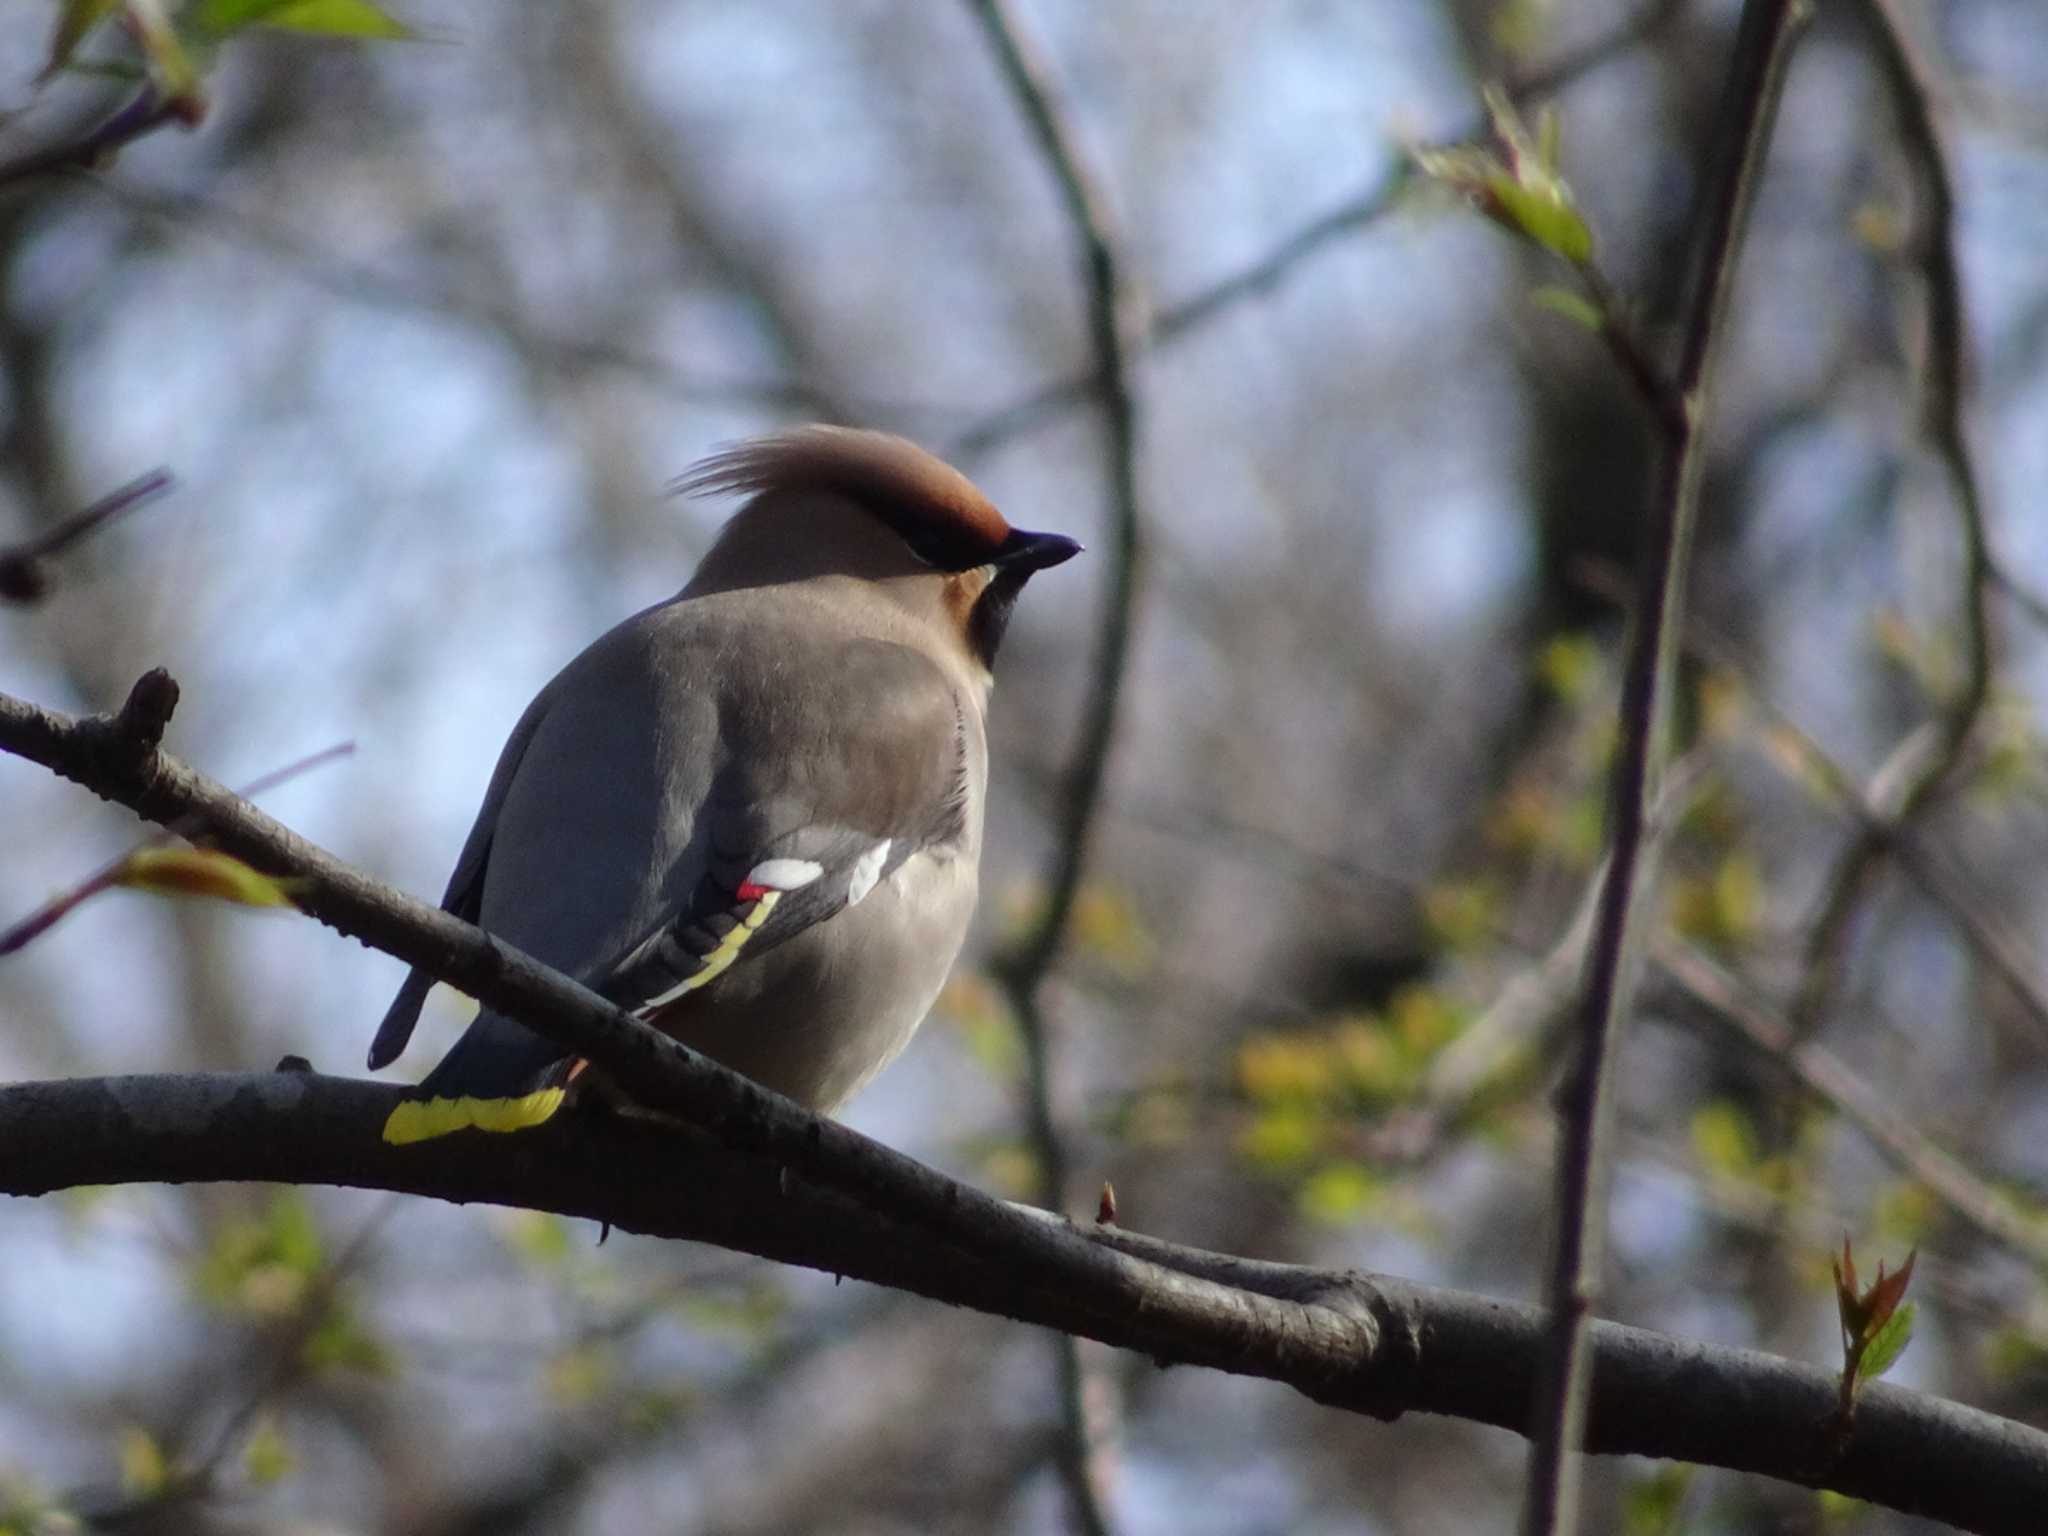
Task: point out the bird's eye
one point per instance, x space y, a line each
933 547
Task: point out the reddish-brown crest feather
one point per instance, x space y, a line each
891 476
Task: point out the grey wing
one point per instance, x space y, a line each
821 799
464 896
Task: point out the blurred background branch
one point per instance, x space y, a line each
24 567
1116 325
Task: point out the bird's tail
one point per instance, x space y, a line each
500 1076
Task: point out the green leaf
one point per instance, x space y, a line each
1549 139
1838 1509
1887 1343
74 21
1518 187
539 1237
267 1458
1569 664
1573 306
1725 1144
1283 1138
200 872
1462 913
293 1233
342 1342
263 1265
318 18
1650 1506
1542 210
1340 1192
170 63
144 1467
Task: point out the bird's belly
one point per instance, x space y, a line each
819 1016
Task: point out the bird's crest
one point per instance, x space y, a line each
920 495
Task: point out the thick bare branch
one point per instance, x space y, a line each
1363 1343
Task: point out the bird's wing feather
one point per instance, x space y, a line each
464 896
810 814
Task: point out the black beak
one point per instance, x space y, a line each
1021 554
1024 553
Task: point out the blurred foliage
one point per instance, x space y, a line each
267 1264
267 1455
25 1512
1654 1504
145 1469
174 40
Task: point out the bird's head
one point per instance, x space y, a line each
839 502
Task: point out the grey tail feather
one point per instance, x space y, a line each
494 1059
399 1020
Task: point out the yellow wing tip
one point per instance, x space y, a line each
425 1119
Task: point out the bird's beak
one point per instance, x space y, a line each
1022 552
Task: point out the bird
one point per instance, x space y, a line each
751 815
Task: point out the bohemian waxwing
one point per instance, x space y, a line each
752 814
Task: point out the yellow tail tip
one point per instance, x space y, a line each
425 1119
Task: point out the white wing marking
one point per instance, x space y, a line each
784 874
867 869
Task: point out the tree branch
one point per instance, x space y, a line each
1832 1082
1263 273
1941 413
1116 327
311 263
96 148
24 577
1991 935
1755 80
1363 1343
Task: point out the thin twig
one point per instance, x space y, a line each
1263 273
23 574
1755 80
18 935
364 284
287 1366
146 112
2022 596
1941 412
1994 938
1116 326
1830 1080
